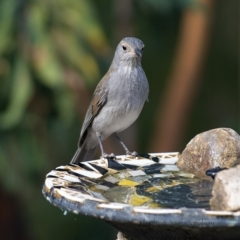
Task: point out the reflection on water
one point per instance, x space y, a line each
155 189
192 195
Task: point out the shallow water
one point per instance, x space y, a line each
155 188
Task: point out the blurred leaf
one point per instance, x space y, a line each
36 20
81 17
76 55
21 92
7 10
45 61
46 64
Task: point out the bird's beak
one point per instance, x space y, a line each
138 52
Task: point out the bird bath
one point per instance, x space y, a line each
144 198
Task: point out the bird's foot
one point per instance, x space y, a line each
111 156
134 154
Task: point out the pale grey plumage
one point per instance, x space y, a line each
117 101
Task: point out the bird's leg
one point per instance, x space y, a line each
105 155
125 147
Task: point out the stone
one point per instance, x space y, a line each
218 147
226 190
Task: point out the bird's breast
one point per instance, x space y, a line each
127 93
129 83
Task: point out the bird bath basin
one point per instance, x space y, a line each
144 198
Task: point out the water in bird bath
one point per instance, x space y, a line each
154 186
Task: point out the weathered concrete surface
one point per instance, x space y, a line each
217 147
226 190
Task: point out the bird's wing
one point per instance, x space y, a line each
98 101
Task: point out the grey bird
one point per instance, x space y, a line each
117 101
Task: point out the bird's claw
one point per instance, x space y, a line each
112 156
134 154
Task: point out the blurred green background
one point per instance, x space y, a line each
52 55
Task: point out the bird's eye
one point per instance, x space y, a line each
124 48
142 49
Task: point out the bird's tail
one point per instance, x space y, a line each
82 154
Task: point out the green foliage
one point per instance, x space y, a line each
39 40
19 95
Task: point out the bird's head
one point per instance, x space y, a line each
129 49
